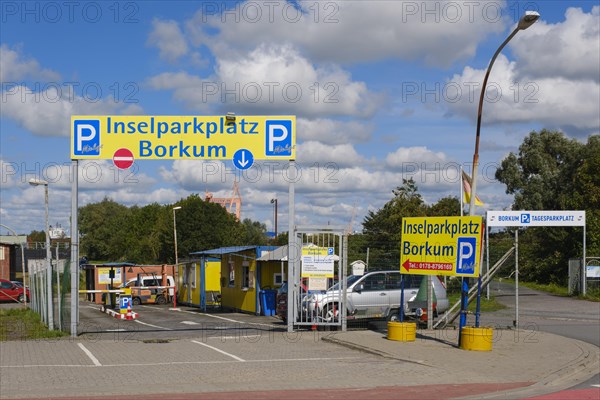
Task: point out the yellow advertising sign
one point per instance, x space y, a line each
318 262
441 246
162 137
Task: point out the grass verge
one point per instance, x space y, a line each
593 294
24 324
485 305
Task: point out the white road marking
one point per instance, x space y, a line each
178 363
90 355
219 350
226 319
234 337
153 326
190 323
598 386
116 330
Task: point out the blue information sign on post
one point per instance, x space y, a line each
124 303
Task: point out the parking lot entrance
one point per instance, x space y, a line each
317 267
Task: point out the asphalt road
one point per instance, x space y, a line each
164 322
539 311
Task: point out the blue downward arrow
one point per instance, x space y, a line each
243 159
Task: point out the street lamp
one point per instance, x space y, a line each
50 310
175 234
274 201
525 22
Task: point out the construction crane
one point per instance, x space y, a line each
232 204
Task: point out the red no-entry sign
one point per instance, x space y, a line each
123 158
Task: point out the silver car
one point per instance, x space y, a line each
375 294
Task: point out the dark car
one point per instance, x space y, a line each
282 296
11 292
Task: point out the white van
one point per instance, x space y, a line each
149 289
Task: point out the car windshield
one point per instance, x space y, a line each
350 280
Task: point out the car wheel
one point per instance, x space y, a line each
330 312
394 316
136 301
21 298
161 300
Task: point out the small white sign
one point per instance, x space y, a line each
317 262
592 271
317 284
535 218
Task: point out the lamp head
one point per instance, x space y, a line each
528 19
36 182
273 201
230 119
177 208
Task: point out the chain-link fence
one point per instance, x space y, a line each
50 291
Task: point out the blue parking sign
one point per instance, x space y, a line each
124 303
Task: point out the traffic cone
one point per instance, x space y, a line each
129 316
422 297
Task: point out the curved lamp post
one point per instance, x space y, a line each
525 22
38 182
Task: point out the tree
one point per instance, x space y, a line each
255 232
36 237
552 172
542 172
144 235
103 228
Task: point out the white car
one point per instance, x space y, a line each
375 294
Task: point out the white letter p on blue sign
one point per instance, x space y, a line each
87 137
279 138
465 259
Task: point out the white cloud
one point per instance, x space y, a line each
354 31
274 77
48 112
569 49
317 153
512 97
14 66
200 175
329 131
415 158
168 38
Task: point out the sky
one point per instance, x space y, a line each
382 91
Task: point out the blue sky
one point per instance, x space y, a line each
383 91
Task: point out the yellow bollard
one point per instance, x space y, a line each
476 339
402 331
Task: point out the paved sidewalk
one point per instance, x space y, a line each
311 364
544 362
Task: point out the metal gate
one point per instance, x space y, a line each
317 277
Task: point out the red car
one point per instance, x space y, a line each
11 292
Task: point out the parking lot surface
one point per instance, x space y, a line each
184 353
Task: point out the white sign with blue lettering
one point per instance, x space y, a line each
535 218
